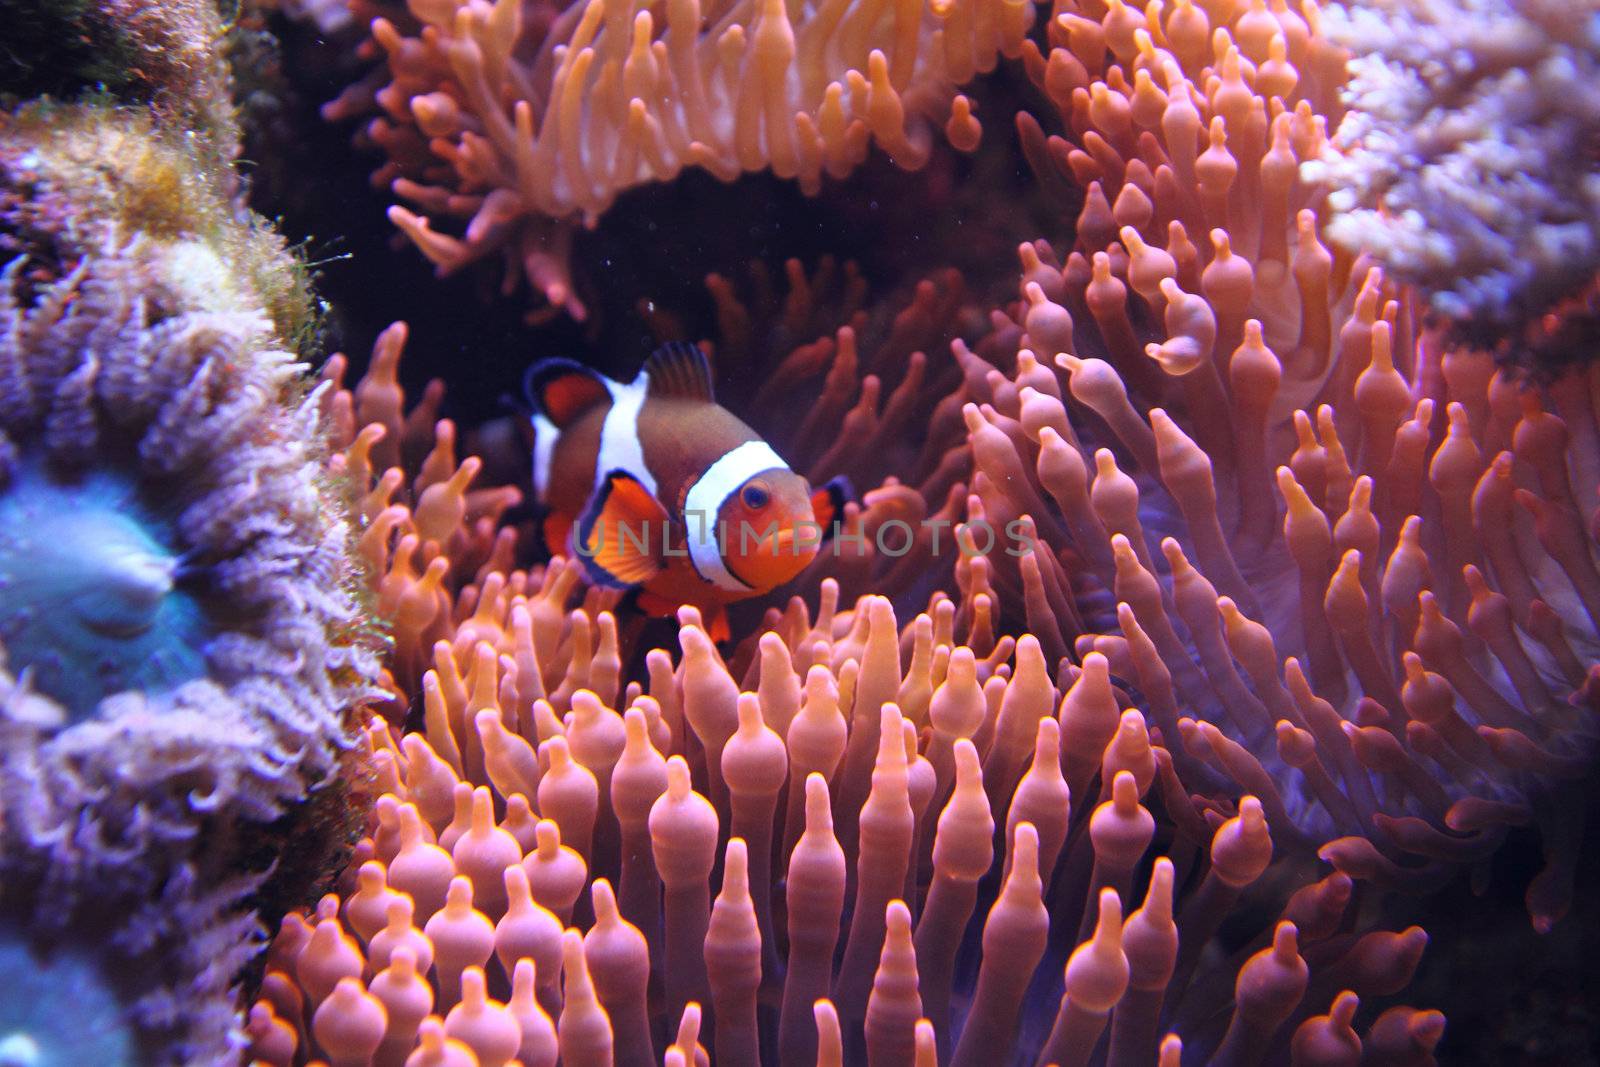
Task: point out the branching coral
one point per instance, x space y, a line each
1466 161
522 120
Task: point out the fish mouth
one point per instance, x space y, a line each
777 557
791 541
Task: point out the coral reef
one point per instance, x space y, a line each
165 58
1465 160
524 119
1209 597
80 176
1301 619
181 619
182 643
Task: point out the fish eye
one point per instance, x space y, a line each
754 497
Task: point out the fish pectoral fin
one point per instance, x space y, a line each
661 607
828 501
655 605
679 369
561 390
622 536
717 625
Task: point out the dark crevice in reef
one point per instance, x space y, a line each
59 48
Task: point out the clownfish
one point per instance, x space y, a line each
660 490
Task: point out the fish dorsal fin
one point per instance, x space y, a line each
621 536
562 390
679 369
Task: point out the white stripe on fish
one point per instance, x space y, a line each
703 504
619 435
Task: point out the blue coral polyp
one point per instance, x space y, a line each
57 1008
93 599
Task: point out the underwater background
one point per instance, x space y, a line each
1263 331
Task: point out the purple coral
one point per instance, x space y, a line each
201 642
122 980
1466 161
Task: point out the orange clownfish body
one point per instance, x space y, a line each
659 489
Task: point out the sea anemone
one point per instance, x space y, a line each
428 533
525 803
524 119
1392 661
468 883
182 640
